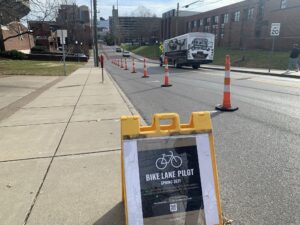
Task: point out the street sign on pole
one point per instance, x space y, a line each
275 32
275 29
63 41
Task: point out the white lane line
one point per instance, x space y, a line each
153 81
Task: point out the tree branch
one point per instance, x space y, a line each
17 35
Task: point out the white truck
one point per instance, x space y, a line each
191 49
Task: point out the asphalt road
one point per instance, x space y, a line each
258 146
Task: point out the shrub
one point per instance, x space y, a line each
38 49
13 54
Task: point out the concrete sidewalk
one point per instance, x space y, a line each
60 154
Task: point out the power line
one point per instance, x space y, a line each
208 4
203 4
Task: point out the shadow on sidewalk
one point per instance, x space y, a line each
115 216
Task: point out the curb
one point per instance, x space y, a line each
254 72
130 106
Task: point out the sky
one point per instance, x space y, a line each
155 6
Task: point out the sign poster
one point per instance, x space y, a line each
275 29
164 183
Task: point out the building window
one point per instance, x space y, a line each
226 18
250 13
237 15
207 21
207 29
201 22
198 23
195 23
190 26
283 4
215 29
216 19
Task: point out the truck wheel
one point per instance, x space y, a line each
196 66
176 65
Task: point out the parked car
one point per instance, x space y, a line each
126 54
81 57
118 50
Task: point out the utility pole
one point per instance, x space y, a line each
64 54
92 31
177 15
96 63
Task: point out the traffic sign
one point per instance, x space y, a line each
161 47
169 172
275 29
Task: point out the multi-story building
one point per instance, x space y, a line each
135 29
102 29
173 23
246 24
43 32
14 36
76 21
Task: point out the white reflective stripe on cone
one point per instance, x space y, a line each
226 88
227 73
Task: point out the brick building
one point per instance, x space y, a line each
74 19
43 32
245 25
135 29
21 43
173 23
10 14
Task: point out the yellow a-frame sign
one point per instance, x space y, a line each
169 171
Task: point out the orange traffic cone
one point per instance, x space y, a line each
166 77
125 65
133 66
145 70
226 97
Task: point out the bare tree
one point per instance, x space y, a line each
41 10
46 10
141 11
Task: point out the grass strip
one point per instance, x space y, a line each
37 68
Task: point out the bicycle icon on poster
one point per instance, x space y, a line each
162 162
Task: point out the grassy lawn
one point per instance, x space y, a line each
252 58
38 68
149 51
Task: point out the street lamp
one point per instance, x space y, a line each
186 6
76 43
